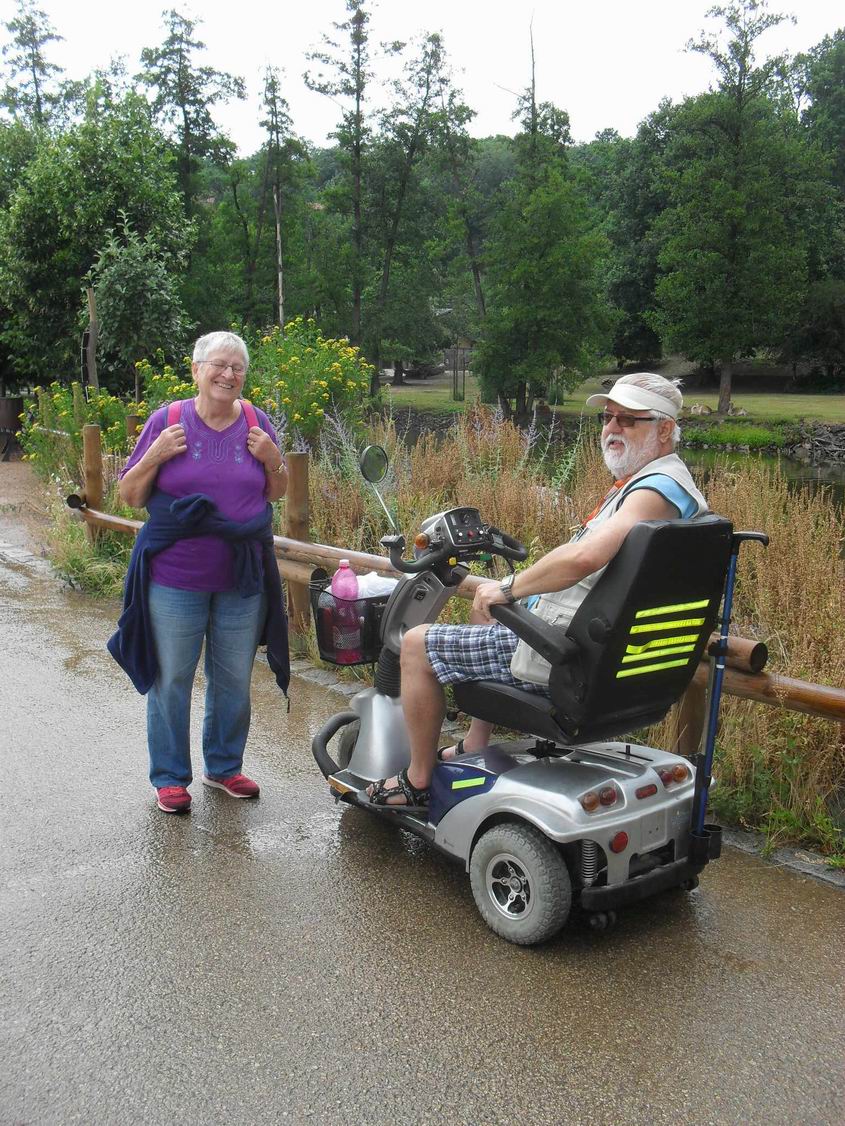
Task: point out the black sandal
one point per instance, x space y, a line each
459 750
415 798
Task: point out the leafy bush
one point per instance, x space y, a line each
299 376
51 428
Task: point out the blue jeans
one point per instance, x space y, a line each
231 626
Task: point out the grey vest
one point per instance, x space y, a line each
558 607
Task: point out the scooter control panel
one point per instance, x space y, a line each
460 527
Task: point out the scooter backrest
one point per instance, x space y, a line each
643 629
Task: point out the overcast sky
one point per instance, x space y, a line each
607 63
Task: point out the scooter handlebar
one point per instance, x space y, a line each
414 566
508 547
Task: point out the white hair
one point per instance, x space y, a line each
670 389
220 341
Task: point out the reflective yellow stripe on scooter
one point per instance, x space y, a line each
678 608
465 783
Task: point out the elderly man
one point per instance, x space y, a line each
638 438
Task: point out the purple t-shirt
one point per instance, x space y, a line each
218 464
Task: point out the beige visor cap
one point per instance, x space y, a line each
635 398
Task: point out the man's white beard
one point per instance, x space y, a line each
630 459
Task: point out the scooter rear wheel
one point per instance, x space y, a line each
520 883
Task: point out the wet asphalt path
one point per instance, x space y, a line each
289 960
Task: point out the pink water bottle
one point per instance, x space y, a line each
347 626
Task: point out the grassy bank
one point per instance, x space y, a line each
772 408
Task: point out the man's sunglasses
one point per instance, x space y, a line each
626 421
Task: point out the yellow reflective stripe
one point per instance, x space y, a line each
652 668
657 641
681 623
679 608
659 653
465 783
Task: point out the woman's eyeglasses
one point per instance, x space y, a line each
626 421
237 369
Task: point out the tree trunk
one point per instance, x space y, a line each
725 376
277 209
398 374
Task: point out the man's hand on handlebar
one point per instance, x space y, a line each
486 595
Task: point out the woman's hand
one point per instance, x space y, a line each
263 448
136 485
169 444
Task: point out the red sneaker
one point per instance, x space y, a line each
238 786
173 799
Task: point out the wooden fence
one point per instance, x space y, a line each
297 557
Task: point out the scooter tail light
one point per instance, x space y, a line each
680 773
666 777
608 795
422 540
619 843
646 791
590 801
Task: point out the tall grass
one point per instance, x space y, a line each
782 771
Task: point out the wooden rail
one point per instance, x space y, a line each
297 557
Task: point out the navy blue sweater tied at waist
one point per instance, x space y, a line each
173 519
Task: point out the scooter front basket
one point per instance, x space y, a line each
348 630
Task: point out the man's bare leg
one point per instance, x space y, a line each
478 736
424 707
476 739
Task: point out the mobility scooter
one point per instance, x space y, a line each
572 815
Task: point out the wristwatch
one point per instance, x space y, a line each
506 587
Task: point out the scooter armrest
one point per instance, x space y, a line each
549 641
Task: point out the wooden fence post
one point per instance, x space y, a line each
297 528
92 467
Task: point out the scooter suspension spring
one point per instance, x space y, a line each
589 861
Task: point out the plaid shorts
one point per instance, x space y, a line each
474 653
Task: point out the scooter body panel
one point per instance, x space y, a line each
382 747
545 793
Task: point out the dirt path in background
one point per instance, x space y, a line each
23 520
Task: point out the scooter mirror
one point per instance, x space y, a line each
373 463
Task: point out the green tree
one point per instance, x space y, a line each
546 317
823 72
69 196
396 198
736 231
139 309
344 75
30 94
185 93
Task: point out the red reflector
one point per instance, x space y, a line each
608 795
646 791
619 842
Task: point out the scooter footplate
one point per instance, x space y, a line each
351 788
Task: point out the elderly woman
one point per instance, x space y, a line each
203 568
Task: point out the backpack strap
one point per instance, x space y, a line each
174 412
249 414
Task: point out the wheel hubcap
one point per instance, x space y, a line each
509 886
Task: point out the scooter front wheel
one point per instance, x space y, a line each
520 883
346 743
